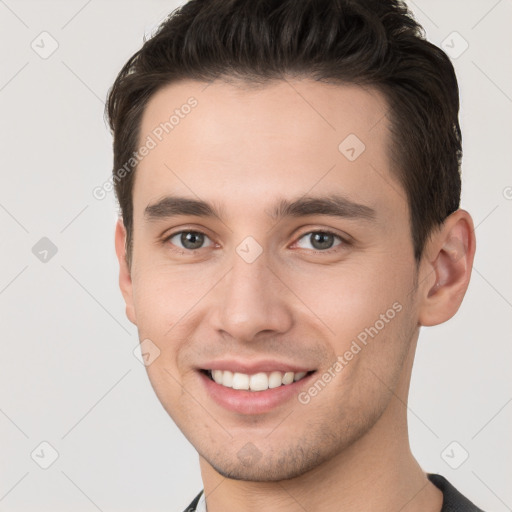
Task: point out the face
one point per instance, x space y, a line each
272 271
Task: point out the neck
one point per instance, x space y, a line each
378 472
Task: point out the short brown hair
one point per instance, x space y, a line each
374 43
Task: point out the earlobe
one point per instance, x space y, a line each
125 280
449 260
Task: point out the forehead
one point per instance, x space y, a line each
288 135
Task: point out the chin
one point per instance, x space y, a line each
251 466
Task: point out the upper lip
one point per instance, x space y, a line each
252 367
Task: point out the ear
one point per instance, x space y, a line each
446 269
125 280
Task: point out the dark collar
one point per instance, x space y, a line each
192 507
453 500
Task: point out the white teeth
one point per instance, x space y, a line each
257 382
288 378
217 376
227 378
275 379
240 381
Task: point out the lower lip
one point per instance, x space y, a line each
252 402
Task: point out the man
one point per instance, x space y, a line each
288 178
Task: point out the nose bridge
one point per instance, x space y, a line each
250 298
249 280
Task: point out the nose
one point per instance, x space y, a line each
251 301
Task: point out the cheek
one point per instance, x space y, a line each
169 308
163 296
355 297
172 392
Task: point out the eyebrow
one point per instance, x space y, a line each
333 205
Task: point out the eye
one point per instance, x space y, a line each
319 240
190 240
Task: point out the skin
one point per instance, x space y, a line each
243 149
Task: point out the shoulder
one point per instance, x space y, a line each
453 500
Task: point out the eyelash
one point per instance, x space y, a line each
344 241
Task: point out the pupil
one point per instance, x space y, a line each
322 240
191 240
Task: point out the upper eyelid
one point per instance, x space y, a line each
170 233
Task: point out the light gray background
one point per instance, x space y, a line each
68 374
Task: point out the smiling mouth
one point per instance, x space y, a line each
256 382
